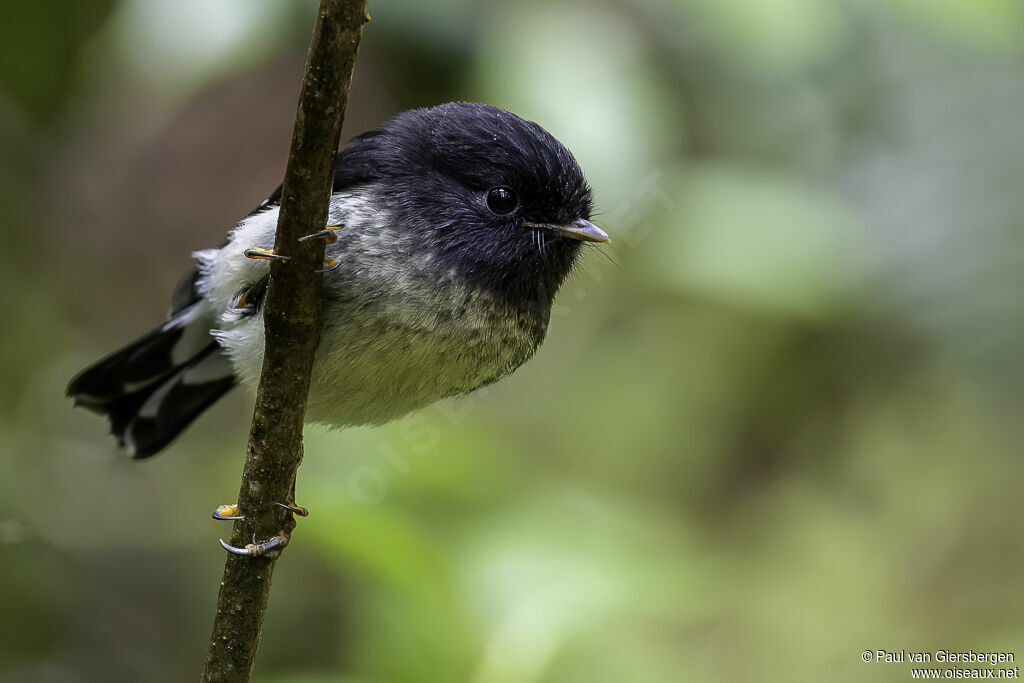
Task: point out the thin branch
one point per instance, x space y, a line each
292 323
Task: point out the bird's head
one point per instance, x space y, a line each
492 196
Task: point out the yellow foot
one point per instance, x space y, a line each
330 264
264 254
327 234
230 511
227 512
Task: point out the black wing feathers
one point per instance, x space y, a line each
354 165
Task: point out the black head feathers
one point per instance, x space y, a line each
469 179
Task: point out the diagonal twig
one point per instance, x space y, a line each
292 324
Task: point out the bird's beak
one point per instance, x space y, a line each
580 229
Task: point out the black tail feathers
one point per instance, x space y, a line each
154 388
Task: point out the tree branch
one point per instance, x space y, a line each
292 322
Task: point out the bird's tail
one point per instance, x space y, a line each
152 389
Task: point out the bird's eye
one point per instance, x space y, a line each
502 200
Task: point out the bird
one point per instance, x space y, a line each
450 230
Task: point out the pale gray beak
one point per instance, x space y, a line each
580 229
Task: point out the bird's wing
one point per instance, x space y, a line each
354 165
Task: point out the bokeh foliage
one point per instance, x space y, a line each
776 424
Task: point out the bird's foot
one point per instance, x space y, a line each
274 543
230 511
255 549
294 509
227 512
329 264
249 298
264 254
268 255
327 234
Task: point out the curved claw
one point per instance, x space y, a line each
327 234
264 254
227 512
295 509
255 549
329 264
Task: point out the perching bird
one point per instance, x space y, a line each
459 224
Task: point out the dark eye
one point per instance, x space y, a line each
502 200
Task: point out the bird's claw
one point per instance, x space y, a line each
295 509
275 543
327 234
329 237
264 254
255 549
329 264
230 511
269 255
227 512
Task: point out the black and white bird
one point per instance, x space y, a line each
461 221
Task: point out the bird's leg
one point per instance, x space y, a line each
327 234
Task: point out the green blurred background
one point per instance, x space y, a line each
777 426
